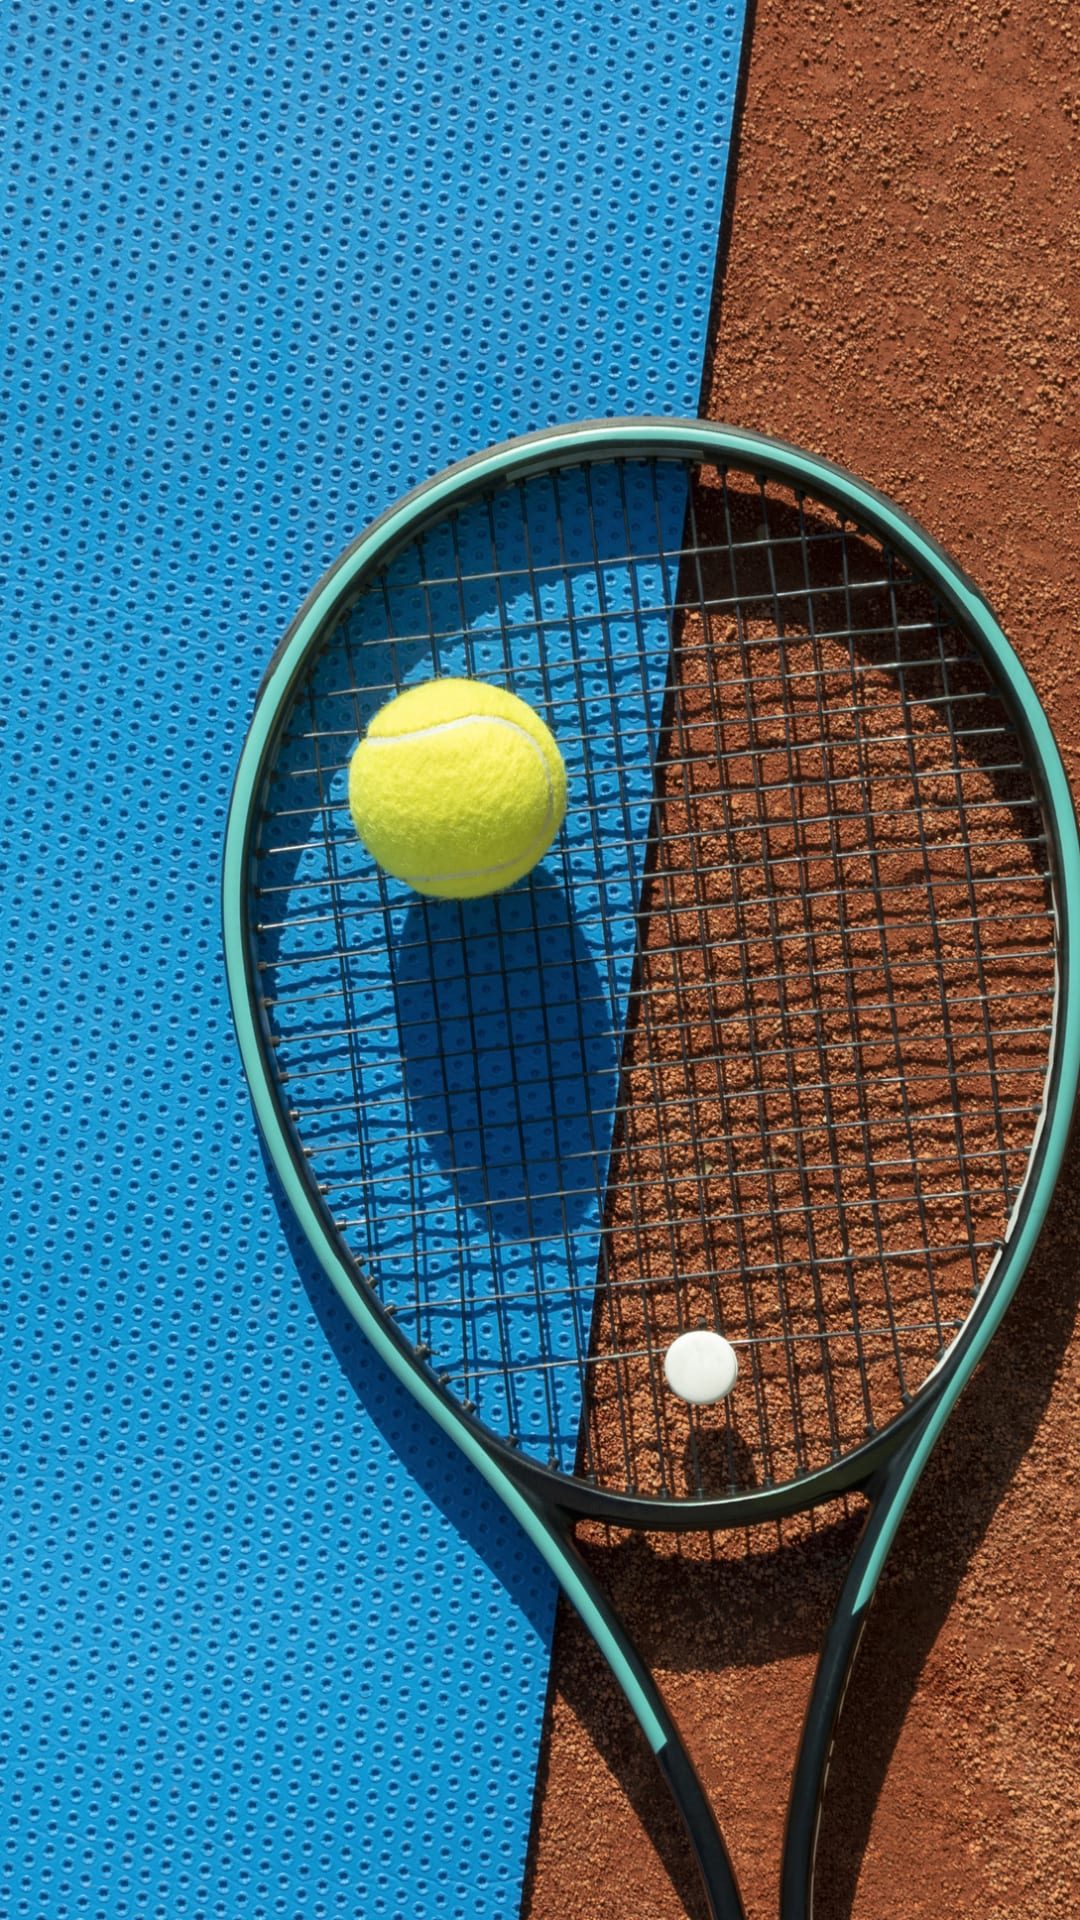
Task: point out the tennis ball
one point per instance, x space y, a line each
457 788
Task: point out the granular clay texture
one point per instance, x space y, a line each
901 295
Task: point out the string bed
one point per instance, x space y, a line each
760 1045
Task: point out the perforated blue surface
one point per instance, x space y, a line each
269 1650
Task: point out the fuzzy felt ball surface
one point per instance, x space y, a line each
457 788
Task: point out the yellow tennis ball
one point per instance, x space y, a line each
457 788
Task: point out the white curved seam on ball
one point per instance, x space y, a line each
474 720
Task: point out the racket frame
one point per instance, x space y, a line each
546 1503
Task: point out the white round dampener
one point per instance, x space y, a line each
701 1367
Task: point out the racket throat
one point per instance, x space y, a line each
714 1863
650 1710
888 1493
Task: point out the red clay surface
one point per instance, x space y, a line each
901 294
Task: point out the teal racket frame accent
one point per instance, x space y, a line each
887 1468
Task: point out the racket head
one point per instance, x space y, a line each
586 616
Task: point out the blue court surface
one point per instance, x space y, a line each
270 1648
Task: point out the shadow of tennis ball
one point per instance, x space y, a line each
716 1459
510 1057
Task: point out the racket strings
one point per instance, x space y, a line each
762 1050
629 739
825 1220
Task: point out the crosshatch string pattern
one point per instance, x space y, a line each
760 1046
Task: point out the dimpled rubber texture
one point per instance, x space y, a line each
270 1648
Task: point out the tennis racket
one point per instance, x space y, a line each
778 1043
